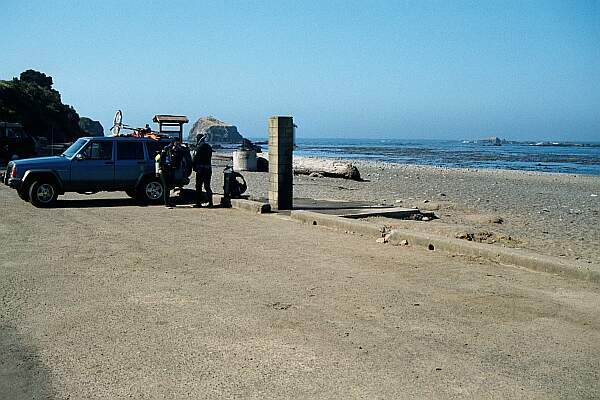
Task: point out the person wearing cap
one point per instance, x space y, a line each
170 160
201 164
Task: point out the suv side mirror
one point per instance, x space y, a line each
79 157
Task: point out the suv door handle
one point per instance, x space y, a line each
109 163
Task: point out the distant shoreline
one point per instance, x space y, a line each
226 156
458 154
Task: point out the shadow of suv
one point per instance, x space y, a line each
94 164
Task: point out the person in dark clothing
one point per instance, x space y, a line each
170 160
201 164
145 130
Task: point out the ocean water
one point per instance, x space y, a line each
576 158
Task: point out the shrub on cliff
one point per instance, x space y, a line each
31 101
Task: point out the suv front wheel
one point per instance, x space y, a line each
151 190
43 193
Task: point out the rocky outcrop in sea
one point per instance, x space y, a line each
217 131
493 140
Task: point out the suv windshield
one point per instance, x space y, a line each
74 148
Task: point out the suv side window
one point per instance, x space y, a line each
130 150
98 151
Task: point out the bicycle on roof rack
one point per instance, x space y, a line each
169 127
146 132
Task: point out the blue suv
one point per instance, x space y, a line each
94 164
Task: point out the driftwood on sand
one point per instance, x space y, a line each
307 166
330 168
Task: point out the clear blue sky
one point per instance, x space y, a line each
405 69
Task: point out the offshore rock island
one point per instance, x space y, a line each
217 131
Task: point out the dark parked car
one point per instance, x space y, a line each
15 143
94 164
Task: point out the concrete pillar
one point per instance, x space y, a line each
281 175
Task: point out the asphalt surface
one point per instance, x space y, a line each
103 299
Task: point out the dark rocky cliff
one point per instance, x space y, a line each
31 101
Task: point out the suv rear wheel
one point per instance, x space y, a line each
151 190
43 193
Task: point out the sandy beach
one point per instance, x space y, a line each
549 213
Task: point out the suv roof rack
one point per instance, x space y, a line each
139 135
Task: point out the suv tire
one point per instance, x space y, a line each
151 190
43 193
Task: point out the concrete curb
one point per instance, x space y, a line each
338 223
256 207
517 257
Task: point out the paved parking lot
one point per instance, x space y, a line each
102 298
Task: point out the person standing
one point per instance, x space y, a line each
169 162
202 166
